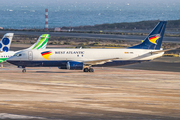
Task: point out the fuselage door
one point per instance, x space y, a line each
30 55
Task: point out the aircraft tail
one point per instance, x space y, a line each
6 42
154 39
41 43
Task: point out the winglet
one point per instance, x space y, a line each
6 42
41 43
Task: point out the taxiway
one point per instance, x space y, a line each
109 93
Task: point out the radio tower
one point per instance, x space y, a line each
46 19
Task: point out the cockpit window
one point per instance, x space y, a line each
18 55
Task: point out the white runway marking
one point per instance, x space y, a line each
13 116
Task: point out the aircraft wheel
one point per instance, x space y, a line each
24 70
86 70
91 70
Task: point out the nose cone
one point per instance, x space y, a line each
12 60
9 59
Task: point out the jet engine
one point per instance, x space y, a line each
72 65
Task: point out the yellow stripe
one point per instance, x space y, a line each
47 56
153 40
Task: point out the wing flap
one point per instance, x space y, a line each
97 62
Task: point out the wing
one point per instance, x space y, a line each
101 61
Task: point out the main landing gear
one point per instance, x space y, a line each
88 69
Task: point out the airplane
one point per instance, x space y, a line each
6 42
5 46
5 54
86 59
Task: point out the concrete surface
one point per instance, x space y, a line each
171 64
109 93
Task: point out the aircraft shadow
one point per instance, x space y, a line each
51 72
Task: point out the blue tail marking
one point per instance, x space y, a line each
154 39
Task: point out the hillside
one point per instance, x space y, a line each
171 25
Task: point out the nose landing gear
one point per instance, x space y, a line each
1 65
24 70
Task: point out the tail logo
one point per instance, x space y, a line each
46 54
153 39
42 42
3 43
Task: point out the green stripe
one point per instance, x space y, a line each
44 35
3 59
42 40
43 43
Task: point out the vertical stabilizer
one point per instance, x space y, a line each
41 43
6 42
154 39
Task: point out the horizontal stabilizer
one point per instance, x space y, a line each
160 51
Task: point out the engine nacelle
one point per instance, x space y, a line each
72 65
75 65
63 67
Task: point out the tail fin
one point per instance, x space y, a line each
154 39
6 42
41 43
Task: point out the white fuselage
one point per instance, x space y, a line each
78 59
5 55
81 55
84 55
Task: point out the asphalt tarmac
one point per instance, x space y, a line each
95 36
146 91
171 64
